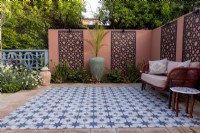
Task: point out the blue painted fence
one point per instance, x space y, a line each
34 59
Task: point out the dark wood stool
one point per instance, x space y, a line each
187 91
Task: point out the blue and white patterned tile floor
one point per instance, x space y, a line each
96 107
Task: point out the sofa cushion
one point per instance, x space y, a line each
171 65
195 64
184 64
156 80
158 66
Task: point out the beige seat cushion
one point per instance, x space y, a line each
171 65
184 64
156 80
195 64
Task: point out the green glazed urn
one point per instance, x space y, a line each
96 65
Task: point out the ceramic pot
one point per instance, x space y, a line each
96 65
45 75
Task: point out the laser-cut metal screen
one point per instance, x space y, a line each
168 41
123 49
191 37
71 48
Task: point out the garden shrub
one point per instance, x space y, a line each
132 75
11 87
29 78
79 75
13 79
114 76
63 73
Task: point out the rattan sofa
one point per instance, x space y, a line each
179 76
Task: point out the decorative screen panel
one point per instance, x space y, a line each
33 59
168 41
191 37
123 49
71 48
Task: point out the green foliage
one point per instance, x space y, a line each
8 79
28 78
43 64
13 79
97 35
11 87
63 73
78 76
27 22
133 74
66 13
143 14
25 27
114 76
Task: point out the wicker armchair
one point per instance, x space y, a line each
179 76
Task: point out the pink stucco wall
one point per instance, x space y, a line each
155 44
143 47
53 48
156 36
179 39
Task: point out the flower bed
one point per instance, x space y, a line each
13 78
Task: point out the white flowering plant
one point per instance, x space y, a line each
13 79
29 78
8 81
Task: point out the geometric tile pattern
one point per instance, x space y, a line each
96 107
123 49
191 37
168 41
71 48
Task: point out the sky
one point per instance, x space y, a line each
91 7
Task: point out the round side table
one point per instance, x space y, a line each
186 91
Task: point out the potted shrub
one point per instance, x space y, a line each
96 64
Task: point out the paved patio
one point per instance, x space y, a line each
102 106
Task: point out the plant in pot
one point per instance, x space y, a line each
45 73
96 64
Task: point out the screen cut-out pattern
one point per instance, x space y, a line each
123 49
168 41
191 37
71 48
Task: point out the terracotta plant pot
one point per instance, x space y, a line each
45 76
